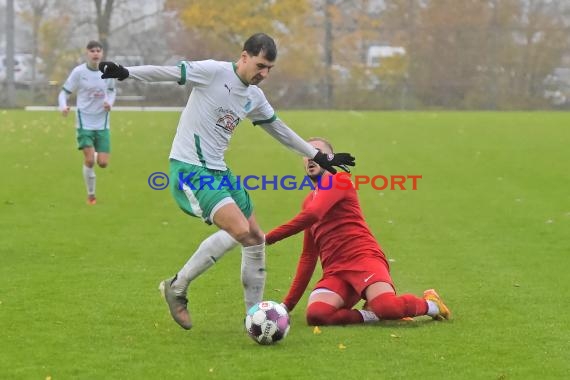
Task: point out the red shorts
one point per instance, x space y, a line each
351 284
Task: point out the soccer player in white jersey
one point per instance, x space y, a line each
95 97
223 94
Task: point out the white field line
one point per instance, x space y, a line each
119 108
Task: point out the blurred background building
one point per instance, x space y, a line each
360 54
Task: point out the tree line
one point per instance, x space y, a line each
459 54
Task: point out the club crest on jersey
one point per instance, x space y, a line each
228 120
247 106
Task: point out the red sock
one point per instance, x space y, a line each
390 306
322 314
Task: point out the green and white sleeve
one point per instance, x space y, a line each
286 136
149 73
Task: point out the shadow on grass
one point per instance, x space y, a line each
395 323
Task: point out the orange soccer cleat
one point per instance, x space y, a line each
444 313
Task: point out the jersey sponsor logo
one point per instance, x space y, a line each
228 120
95 93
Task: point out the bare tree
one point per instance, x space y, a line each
104 12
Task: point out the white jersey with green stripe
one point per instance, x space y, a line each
92 92
219 101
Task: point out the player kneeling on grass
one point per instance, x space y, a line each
354 266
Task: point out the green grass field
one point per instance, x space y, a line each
488 227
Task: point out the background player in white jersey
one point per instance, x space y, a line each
223 94
95 97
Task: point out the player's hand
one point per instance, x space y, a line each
65 111
328 161
106 106
112 70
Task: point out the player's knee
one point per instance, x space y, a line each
316 319
242 235
102 164
246 236
317 315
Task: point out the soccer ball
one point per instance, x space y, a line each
267 322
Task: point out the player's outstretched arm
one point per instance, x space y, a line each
305 269
147 73
286 136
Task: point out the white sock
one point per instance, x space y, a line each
212 249
253 273
369 316
89 178
433 309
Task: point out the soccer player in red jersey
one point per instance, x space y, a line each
354 266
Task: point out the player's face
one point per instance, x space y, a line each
94 56
314 171
255 68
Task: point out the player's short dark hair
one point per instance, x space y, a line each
261 43
324 141
94 44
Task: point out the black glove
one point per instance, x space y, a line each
327 161
112 70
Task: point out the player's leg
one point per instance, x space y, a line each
103 147
209 252
217 206
253 272
375 283
85 142
327 308
207 205
231 219
202 204
102 159
175 289
253 243
383 301
331 303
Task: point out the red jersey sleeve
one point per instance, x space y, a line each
305 269
323 200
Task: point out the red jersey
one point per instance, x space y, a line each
335 231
